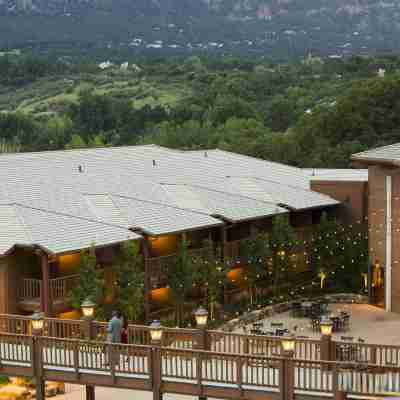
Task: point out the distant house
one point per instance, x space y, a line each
56 203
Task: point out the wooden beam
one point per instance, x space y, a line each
147 277
45 294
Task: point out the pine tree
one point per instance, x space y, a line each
129 279
91 280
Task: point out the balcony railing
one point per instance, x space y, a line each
31 289
159 265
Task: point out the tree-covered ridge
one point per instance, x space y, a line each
282 29
273 111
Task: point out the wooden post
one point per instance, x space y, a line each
37 368
286 379
88 333
327 348
45 295
223 242
156 372
147 277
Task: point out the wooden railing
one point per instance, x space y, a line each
31 289
215 341
190 372
61 287
159 265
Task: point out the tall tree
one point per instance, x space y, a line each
129 278
283 238
91 280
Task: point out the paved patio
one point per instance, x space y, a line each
370 323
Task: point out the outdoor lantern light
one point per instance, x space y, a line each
156 331
37 322
88 308
201 315
288 343
326 326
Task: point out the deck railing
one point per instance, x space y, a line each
159 265
191 372
215 341
31 289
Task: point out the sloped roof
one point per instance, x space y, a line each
386 154
55 232
150 217
231 207
154 189
338 175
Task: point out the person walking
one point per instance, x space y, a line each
114 329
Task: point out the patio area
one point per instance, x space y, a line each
371 324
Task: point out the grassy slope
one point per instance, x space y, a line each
53 94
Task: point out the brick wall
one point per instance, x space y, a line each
353 195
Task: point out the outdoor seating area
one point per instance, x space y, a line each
351 324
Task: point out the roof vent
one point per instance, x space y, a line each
154 163
80 168
205 154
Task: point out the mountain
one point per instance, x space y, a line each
277 28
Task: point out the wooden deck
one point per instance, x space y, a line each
199 363
192 372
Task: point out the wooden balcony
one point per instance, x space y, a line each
159 266
30 292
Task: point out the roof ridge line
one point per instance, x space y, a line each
22 221
71 216
230 194
164 205
255 158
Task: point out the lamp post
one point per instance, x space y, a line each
288 344
156 334
326 327
87 308
201 317
37 320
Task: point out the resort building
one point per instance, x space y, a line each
383 166
54 204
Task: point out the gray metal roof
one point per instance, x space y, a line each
388 154
154 189
337 175
55 232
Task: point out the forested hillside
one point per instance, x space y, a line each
313 113
280 29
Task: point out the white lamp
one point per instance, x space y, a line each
326 326
201 316
288 343
37 322
88 308
156 331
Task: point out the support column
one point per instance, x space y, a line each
287 378
224 239
327 350
45 294
388 265
88 333
147 276
40 383
156 373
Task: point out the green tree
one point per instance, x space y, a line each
282 241
128 272
181 277
255 251
91 281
